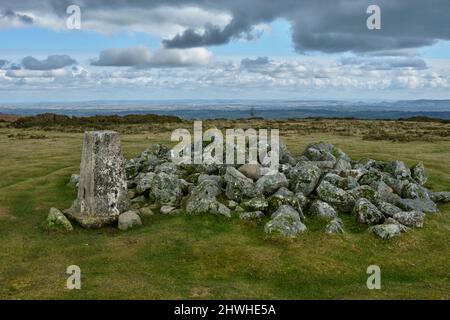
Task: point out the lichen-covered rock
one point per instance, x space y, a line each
339 199
128 220
370 177
335 226
304 178
410 218
345 183
414 191
398 169
201 197
442 196
102 192
217 179
144 182
386 231
146 211
251 215
367 213
388 209
323 151
364 191
285 222
422 205
322 210
238 186
342 165
56 221
256 204
419 173
168 167
270 183
166 189
287 197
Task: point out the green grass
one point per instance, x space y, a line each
177 257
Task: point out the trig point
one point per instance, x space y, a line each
102 190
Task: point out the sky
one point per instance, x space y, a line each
231 49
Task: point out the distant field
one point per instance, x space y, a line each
207 256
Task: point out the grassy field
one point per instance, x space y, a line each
209 257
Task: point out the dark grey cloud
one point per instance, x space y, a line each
123 57
52 62
10 14
317 25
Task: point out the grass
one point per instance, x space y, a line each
209 257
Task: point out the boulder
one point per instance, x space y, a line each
270 183
304 178
345 183
335 226
419 173
167 209
57 221
285 222
388 209
144 182
252 171
386 231
251 215
339 199
238 186
322 210
256 204
410 218
129 220
398 169
443 197
166 189
367 213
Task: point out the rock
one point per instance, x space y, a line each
256 204
166 189
364 191
440 196
250 215
398 169
414 190
232 204
168 167
386 231
129 220
102 191
166 209
355 173
203 200
252 171
388 209
56 221
238 186
335 226
139 202
217 179
286 197
422 205
146 212
144 182
345 183
285 222
322 210
410 218
270 183
304 178
336 197
342 165
320 152
322 165
370 177
367 213
220 209
74 180
419 173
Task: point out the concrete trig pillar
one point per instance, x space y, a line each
102 190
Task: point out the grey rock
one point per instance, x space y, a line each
286 222
252 171
419 173
410 218
128 220
102 192
398 169
345 183
342 165
270 183
442 196
166 189
238 186
166 209
144 182
251 215
146 211
388 209
341 200
74 180
414 191
422 205
386 231
322 210
304 178
335 226
202 196
364 191
355 173
367 213
256 204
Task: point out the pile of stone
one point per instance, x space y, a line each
323 182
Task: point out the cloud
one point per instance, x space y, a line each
3 63
12 16
385 63
36 73
52 62
143 57
317 25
